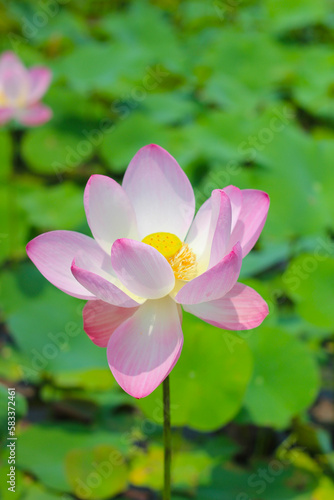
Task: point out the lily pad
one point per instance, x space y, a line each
53 469
271 398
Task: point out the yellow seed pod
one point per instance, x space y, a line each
167 244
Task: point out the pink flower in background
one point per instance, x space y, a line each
149 255
21 90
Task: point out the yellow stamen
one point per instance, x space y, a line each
184 264
179 255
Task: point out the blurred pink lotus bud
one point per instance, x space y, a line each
21 90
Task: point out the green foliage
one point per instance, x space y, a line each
50 151
271 398
13 224
307 282
227 483
188 468
6 155
74 452
50 208
109 475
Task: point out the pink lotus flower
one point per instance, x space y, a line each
148 257
21 91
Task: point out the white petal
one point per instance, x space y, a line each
160 193
109 212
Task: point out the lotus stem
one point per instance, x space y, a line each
167 440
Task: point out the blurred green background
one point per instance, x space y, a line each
239 92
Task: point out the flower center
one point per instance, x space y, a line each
179 255
166 243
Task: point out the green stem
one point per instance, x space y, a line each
167 439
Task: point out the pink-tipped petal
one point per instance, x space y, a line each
221 219
14 82
109 211
5 115
235 196
209 234
143 350
34 115
215 282
252 217
39 81
142 269
99 279
160 192
53 253
101 320
241 308
9 60
14 86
